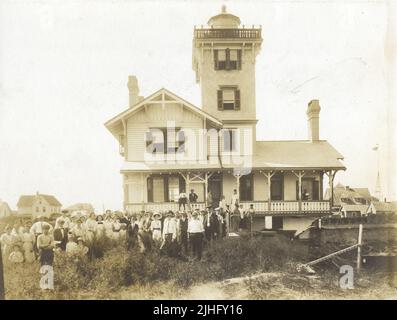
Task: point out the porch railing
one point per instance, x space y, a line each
213 33
276 207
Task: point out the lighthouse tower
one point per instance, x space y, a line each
224 54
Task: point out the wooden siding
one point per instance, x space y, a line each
155 116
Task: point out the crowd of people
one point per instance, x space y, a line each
178 234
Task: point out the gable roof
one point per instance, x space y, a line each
341 192
27 200
385 206
5 209
138 106
362 208
296 154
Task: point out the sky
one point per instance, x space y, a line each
64 67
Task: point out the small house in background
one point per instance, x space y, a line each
5 209
382 208
38 205
353 210
82 208
345 195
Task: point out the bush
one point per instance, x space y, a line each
112 269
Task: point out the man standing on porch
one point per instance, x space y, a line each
193 196
235 198
182 200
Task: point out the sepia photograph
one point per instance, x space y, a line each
198 150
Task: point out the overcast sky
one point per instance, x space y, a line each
64 67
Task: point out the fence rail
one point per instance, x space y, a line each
276 207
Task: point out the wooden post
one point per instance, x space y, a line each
269 176
238 186
269 192
2 286
359 242
300 191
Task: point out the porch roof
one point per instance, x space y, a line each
296 154
170 166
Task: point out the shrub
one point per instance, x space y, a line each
110 269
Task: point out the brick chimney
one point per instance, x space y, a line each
133 90
313 119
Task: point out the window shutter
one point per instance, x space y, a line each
216 61
149 141
166 189
239 59
181 141
227 59
182 184
220 100
316 187
150 189
237 99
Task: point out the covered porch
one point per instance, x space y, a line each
271 192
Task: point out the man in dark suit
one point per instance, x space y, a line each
60 235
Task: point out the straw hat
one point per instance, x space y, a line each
158 214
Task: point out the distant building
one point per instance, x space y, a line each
345 195
353 210
38 205
83 208
382 207
5 209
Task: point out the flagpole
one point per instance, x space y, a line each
377 185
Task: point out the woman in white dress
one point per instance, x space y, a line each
116 227
108 226
91 228
27 245
155 227
100 231
6 241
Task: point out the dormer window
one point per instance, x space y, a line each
228 98
227 59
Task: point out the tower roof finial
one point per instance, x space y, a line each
223 8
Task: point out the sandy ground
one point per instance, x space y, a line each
270 286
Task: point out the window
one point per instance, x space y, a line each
310 189
156 189
229 98
276 187
227 59
360 200
229 140
165 188
246 187
173 188
161 140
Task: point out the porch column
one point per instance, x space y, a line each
268 175
300 174
187 186
331 175
206 177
